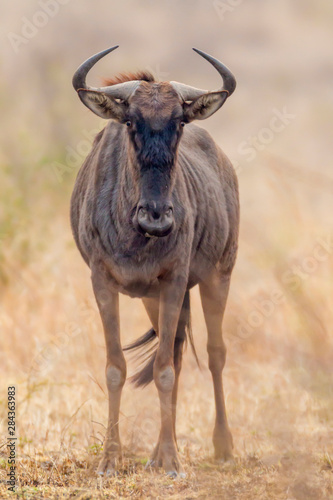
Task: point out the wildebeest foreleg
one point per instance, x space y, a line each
108 303
152 308
214 293
171 300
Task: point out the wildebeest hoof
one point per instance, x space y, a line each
224 456
165 456
108 465
227 460
176 475
109 473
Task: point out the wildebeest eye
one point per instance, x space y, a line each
128 123
182 124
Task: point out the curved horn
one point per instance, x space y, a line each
189 93
118 91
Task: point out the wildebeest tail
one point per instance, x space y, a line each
147 357
186 310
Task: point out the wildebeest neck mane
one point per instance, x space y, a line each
143 75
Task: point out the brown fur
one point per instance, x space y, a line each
161 99
143 75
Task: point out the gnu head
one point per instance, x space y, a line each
154 114
113 101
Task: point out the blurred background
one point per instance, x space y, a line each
276 128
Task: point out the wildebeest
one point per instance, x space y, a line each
154 212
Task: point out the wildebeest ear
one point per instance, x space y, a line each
205 105
103 105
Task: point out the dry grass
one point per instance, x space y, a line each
278 325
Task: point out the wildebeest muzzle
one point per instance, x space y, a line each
155 218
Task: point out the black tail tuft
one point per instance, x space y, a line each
145 374
145 339
188 325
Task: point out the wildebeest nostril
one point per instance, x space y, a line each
143 211
154 211
168 210
155 218
160 212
